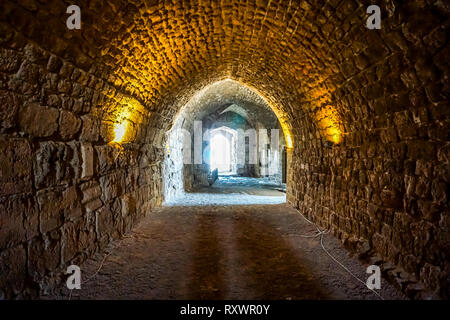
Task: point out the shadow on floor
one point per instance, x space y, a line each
268 264
206 281
272 268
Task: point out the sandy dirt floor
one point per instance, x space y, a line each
225 250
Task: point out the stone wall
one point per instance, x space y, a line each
366 110
383 190
65 192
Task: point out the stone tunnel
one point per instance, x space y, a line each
89 118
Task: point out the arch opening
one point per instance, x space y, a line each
229 127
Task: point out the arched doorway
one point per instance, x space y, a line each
231 128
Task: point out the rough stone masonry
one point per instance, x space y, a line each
66 191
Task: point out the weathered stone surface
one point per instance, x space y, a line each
69 125
56 206
112 186
52 164
54 63
10 60
69 236
15 166
90 129
105 222
13 270
128 203
38 121
87 154
106 158
18 219
90 191
44 255
9 106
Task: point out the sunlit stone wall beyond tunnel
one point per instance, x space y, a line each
84 116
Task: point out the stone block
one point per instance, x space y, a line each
9 106
44 255
90 191
69 125
18 219
38 121
13 270
52 164
112 186
10 60
58 205
87 154
15 166
93 205
90 129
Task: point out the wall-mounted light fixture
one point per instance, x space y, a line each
120 130
329 124
126 116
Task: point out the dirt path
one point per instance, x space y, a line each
233 190
224 252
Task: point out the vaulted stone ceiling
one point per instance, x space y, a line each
303 57
223 96
312 60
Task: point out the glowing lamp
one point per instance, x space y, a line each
119 131
288 141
